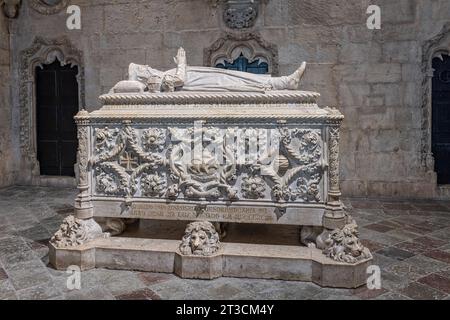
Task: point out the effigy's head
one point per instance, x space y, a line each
200 238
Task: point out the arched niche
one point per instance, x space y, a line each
435 47
42 52
230 46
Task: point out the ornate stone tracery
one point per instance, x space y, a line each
251 45
42 51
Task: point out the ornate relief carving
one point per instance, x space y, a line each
344 245
333 156
153 184
82 154
435 47
304 148
253 187
292 170
154 139
42 51
74 231
48 7
240 15
200 238
251 45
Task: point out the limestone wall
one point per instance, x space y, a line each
373 76
6 163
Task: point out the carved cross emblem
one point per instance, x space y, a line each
128 161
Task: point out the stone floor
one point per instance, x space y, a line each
410 242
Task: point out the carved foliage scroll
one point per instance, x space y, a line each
162 163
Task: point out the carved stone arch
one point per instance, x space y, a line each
251 45
435 47
42 52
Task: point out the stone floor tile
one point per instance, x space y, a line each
95 293
397 206
430 206
403 234
149 278
443 234
3 274
365 293
41 292
173 290
118 281
392 282
437 282
27 274
420 245
141 294
392 296
419 291
372 245
380 227
429 265
439 255
396 253
6 289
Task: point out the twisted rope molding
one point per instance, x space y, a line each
209 97
122 116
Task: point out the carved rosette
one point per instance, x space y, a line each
333 160
253 187
200 238
74 231
343 245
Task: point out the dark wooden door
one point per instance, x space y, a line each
56 105
441 119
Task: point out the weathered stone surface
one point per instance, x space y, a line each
349 64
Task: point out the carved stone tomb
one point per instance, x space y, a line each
212 158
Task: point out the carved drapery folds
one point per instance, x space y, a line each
133 161
435 47
42 51
250 45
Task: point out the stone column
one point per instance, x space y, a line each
83 206
334 215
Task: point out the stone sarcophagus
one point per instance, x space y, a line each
245 149
222 157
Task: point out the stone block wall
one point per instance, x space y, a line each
6 163
373 76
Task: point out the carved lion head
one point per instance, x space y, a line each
344 245
200 238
